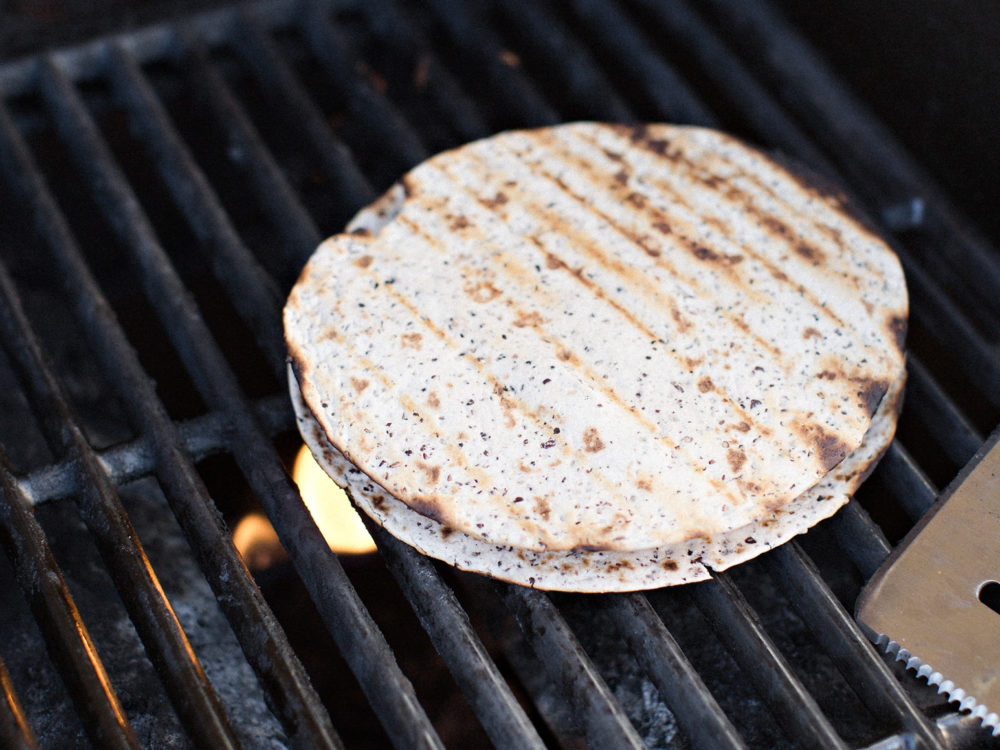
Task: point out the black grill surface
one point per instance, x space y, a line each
161 190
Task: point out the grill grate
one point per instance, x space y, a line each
251 133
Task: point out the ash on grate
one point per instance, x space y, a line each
144 700
627 681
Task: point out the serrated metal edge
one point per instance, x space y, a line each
989 719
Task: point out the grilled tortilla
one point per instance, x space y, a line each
587 342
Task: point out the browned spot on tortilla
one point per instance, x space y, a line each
705 384
542 507
829 447
736 458
809 252
683 324
592 442
644 484
613 155
364 261
670 565
564 354
811 333
743 427
552 262
497 200
662 227
460 222
482 292
361 232
359 384
636 200
379 502
428 508
446 531
709 255
771 223
433 472
528 319
692 362
897 324
870 393
411 340
827 375
621 176
330 334
433 401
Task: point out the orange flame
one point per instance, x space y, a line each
333 513
340 523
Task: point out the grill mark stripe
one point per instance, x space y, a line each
677 194
751 206
832 232
659 261
557 342
590 284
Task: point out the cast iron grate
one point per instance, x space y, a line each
161 191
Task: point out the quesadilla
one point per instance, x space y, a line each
596 357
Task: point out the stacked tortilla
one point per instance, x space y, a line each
599 358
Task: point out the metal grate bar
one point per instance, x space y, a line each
66 636
681 687
448 625
602 718
763 664
936 314
261 55
951 431
861 537
509 89
739 89
198 438
252 292
579 79
350 624
402 33
850 650
915 492
15 732
191 694
390 130
660 87
255 627
275 194
868 152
